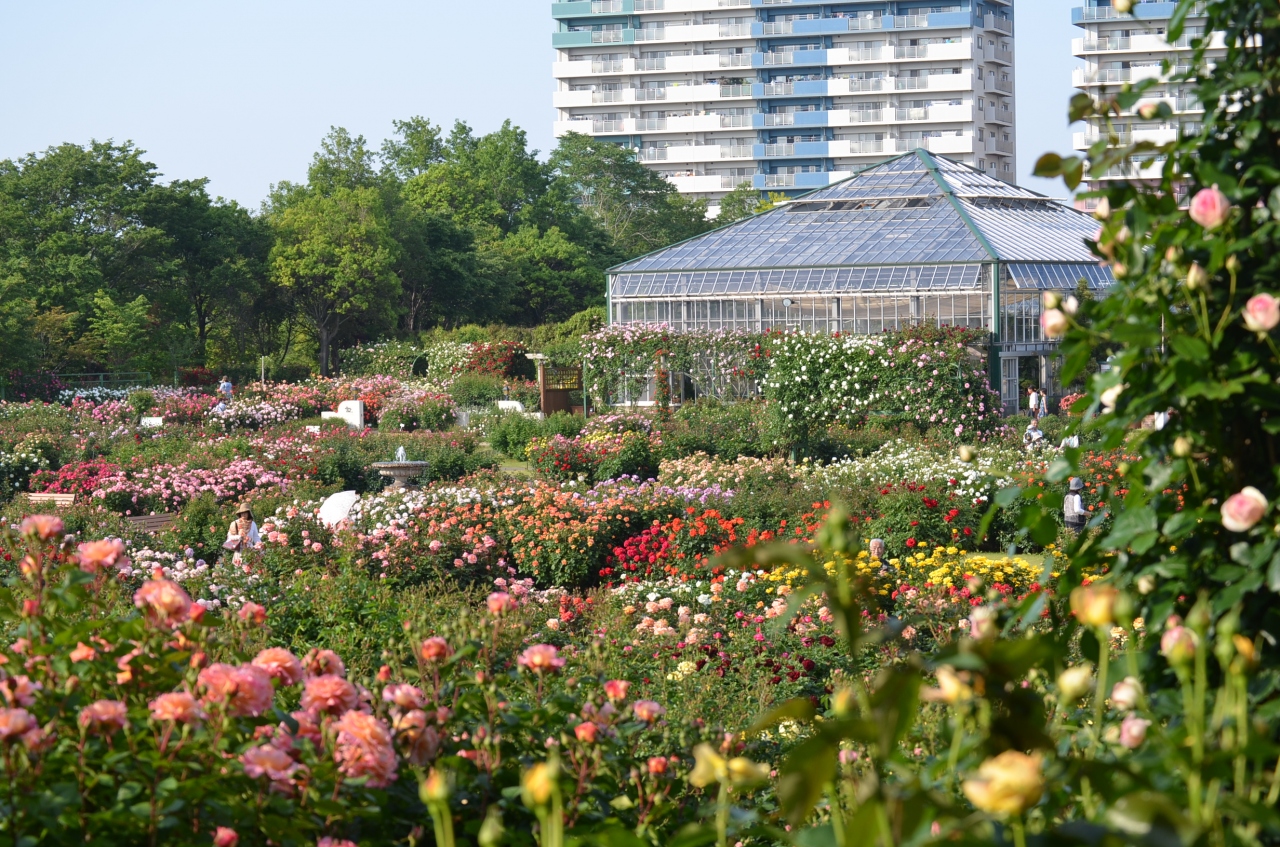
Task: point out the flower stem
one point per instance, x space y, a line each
1100 695
722 816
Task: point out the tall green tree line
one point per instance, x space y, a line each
105 266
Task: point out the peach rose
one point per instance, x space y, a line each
586 732
245 690
280 664
83 653
647 710
1210 208
1244 509
364 749
324 662
176 707
14 723
253 613
163 602
308 729
657 765
499 603
93 556
404 696
20 690
435 649
329 694
1197 277
1262 313
271 762
43 527
104 716
616 689
225 837
423 741
541 658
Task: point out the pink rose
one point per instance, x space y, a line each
1133 731
541 658
1244 509
647 711
1210 208
1178 644
1054 323
225 837
1262 313
616 689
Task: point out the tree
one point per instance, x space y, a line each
416 149
343 161
745 201
118 332
637 209
491 184
219 253
439 274
555 278
334 254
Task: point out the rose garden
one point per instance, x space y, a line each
665 624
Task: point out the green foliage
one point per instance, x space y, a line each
474 389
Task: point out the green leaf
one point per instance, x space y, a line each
1190 347
799 709
804 776
1049 165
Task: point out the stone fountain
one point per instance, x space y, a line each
401 471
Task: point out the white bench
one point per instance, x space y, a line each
61 501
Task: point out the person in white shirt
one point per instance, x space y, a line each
1033 403
1073 512
243 533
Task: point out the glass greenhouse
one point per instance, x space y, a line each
917 238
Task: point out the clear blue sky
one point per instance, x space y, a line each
241 91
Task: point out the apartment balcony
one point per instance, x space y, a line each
699 183
812 179
643 6
998 23
959 50
854 55
691 154
942 144
798 150
587 126
790 58
586 38
1141 11
677 34
802 88
1155 44
860 117
847 148
1156 135
727 92
669 94
999 147
801 119
935 114
996 115
585 8
676 64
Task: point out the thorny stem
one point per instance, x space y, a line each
837 813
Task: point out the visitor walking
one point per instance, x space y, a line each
224 388
1073 513
1044 403
1033 404
243 533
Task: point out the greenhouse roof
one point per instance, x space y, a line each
914 210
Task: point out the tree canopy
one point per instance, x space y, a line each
106 266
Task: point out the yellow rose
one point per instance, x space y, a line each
1095 604
537 783
1075 682
743 772
1008 784
951 688
709 767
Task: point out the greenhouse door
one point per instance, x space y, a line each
1010 393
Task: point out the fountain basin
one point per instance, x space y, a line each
400 472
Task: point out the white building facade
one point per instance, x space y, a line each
787 95
1119 48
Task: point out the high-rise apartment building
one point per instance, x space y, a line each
1119 48
788 95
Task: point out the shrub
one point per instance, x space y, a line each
476 388
512 433
142 402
